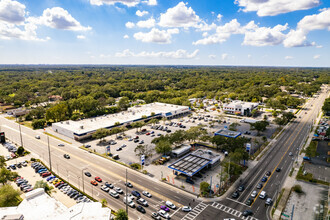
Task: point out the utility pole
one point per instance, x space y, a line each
20 134
292 211
126 195
210 186
82 177
50 160
229 171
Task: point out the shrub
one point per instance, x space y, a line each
33 159
297 188
136 166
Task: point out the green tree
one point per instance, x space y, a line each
233 126
104 202
101 133
20 151
204 187
153 121
57 112
123 103
326 106
44 185
6 175
2 161
9 196
143 150
163 147
38 123
260 126
254 112
238 155
121 215
177 137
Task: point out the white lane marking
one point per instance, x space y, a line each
175 212
237 202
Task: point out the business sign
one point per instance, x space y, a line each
248 146
142 160
108 149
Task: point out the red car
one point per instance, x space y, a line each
148 133
46 174
98 179
93 182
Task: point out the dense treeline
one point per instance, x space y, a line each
90 88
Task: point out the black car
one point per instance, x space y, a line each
268 173
247 213
264 179
136 140
141 209
88 174
136 194
128 184
235 195
259 186
108 185
278 169
241 188
249 201
66 156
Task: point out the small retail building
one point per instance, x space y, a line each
240 107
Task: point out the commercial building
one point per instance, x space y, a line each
83 129
240 107
38 205
228 133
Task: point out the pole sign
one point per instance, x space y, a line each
142 160
108 149
248 146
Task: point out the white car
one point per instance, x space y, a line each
113 193
105 188
269 201
147 194
119 190
186 208
170 205
142 201
164 214
130 139
37 137
123 145
254 194
262 195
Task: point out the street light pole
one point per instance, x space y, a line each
50 160
126 195
20 133
82 177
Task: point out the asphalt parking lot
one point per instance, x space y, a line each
307 205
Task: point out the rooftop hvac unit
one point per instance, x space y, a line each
81 127
67 122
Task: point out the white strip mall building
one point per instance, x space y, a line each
84 129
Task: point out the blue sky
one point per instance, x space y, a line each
209 32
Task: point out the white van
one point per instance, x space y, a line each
129 202
262 195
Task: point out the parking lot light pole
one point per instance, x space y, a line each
126 195
82 177
50 158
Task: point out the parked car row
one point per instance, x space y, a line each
10 147
23 184
18 165
58 183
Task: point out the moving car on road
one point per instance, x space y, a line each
164 214
88 174
66 156
247 213
170 204
141 209
186 208
147 194
60 145
164 208
254 194
98 179
93 182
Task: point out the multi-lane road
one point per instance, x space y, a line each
291 140
72 170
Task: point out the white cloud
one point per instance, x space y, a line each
275 7
12 12
58 18
156 36
249 56
81 37
147 23
219 16
317 56
205 34
265 36
23 32
288 57
128 3
298 37
150 2
179 16
225 31
212 56
224 56
178 54
129 24
319 46
126 36
141 13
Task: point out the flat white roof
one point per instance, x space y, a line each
238 102
132 114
